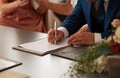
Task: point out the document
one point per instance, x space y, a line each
69 52
7 64
12 74
42 46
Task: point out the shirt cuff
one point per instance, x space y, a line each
65 31
98 37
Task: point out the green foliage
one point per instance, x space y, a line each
84 63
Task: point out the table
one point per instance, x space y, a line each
47 66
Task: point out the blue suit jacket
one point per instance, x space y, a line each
82 13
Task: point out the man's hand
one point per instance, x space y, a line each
52 38
82 37
84 28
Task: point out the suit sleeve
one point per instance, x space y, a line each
75 20
118 15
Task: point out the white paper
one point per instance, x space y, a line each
12 74
43 45
5 63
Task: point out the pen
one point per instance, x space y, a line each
55 29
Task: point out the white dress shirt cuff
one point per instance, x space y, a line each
65 31
98 37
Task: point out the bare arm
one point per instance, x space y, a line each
60 8
42 10
7 7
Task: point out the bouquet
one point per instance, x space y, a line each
94 58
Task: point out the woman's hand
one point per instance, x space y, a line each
9 7
42 2
22 3
52 38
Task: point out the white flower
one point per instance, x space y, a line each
100 64
115 38
109 38
115 23
117 35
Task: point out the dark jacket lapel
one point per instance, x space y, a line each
87 11
111 9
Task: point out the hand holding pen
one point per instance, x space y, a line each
54 35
